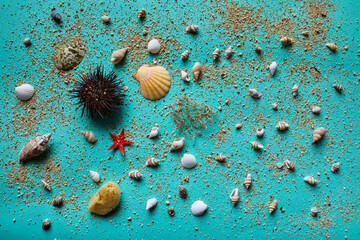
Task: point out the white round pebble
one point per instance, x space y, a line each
154 46
198 208
188 161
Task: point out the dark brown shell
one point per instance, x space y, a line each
182 192
57 202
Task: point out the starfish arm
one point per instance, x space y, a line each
125 142
121 136
113 137
121 148
113 146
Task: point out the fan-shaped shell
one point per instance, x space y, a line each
89 136
234 196
154 81
25 92
318 134
247 181
34 147
273 206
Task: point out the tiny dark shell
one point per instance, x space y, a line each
46 224
171 211
182 192
56 17
57 202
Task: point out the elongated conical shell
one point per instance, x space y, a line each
318 134
216 54
185 76
247 181
118 55
182 192
220 157
256 145
254 93
282 126
331 46
89 136
234 196
197 70
273 206
272 68
95 176
25 92
177 144
290 165
151 203
311 180
46 185
152 162
154 81
135 175
184 55
34 147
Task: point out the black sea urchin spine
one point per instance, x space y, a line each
99 94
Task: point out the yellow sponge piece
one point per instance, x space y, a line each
106 199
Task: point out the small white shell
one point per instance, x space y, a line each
184 55
95 176
118 55
254 93
335 167
260 132
135 175
25 92
198 208
46 185
185 76
105 18
314 212
192 28
154 132
295 90
216 54
152 162
220 157
273 206
188 161
177 144
89 136
272 68
316 109
255 145
290 165
247 181
282 126
197 70
151 203
234 196
229 52
311 180
238 126
154 46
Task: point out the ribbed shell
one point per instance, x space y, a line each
286 41
184 55
45 185
154 81
220 158
118 55
216 54
311 180
177 144
182 192
256 145
192 28
135 175
331 46
273 206
318 134
338 87
25 92
335 167
314 212
89 136
290 165
197 70
282 126
234 196
247 181
152 162
34 147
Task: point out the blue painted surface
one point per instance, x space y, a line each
69 156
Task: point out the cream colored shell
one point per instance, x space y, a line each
34 147
89 136
154 81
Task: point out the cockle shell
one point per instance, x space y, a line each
247 181
192 28
216 54
154 46
282 126
338 87
154 81
258 48
69 55
106 18
331 46
182 192
318 134
152 162
229 52
316 109
153 133
311 180
254 93
286 41
272 68
118 55
89 136
151 203
335 167
135 175
234 196
255 145
188 161
185 76
34 147
220 158
177 144
46 185
95 176
141 13
295 90
260 132
198 208
184 55
314 212
197 70
290 165
273 206
25 92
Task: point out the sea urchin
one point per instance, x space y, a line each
99 94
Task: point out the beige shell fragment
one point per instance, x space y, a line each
34 147
197 70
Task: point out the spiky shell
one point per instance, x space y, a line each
192 28
314 212
184 55
45 185
141 13
89 136
311 180
247 181
272 68
318 134
229 52
69 55
152 162
135 175
25 92
118 55
177 144
220 158
254 93
290 165
154 81
153 133
216 54
234 196
331 46
256 145
95 176
151 203
282 126
182 192
338 87
286 41
197 70
335 167
273 206
295 90
260 132
34 147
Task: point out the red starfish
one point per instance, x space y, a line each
119 141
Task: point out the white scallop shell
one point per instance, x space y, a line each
154 46
154 132
185 76
151 203
198 208
25 92
95 176
272 68
177 144
188 161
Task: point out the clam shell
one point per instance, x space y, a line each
95 176
25 92
89 136
272 68
151 203
34 147
234 196
154 46
69 55
198 208
188 161
154 81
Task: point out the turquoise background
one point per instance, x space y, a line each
69 157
